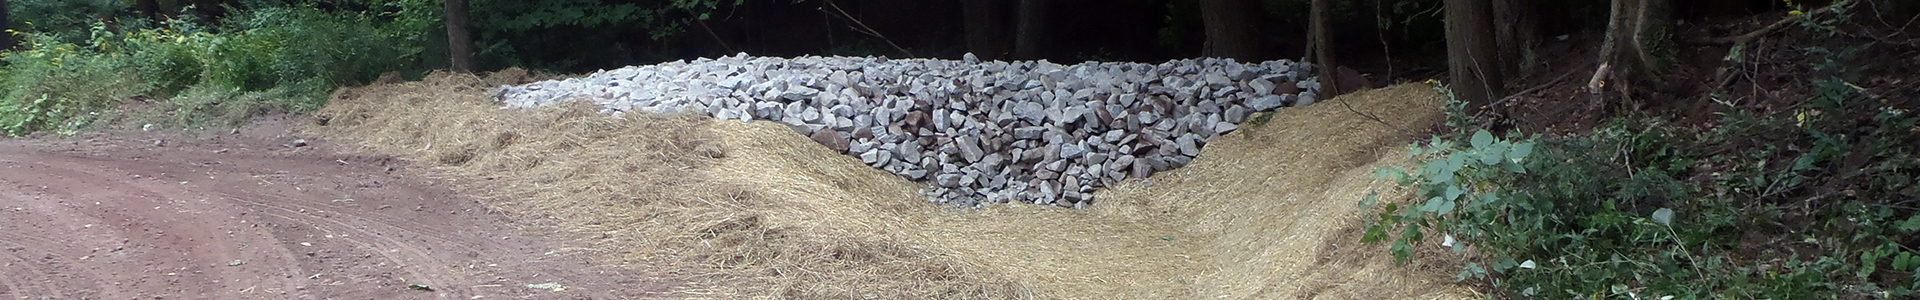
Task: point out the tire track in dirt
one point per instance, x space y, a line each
23 280
236 217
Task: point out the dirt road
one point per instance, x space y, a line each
261 214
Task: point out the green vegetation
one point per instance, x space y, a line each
1817 203
270 59
80 59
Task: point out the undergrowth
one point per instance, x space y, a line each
265 60
1817 203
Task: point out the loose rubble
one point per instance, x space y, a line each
978 132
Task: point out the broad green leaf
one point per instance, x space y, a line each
1481 139
1375 233
1519 151
1514 166
1446 207
1433 204
1904 262
1663 216
1372 197
1453 192
1493 154
1911 225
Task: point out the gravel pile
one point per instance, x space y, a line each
978 132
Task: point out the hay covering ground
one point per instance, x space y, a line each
753 210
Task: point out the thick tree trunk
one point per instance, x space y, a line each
1473 61
148 9
1627 49
1516 35
986 25
1229 26
1031 36
459 41
6 39
209 10
1321 16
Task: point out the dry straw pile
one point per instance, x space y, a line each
753 210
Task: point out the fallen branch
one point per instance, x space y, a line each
1744 38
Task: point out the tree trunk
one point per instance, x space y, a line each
209 10
1321 15
1229 26
1516 35
986 25
6 39
148 9
1473 62
459 41
1031 36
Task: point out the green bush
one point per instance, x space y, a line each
1816 204
61 86
263 60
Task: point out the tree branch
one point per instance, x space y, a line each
863 29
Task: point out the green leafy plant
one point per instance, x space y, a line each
1814 203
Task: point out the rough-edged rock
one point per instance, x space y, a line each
1264 103
832 139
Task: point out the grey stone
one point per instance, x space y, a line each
947 180
1028 133
1148 117
1072 151
1261 86
1306 98
1159 163
1057 165
799 93
1121 163
1096 158
1189 144
1234 114
1224 127
871 156
1264 103
915 173
970 149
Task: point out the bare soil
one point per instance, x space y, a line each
262 214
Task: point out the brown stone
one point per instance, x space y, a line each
832 139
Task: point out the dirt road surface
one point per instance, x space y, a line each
262 214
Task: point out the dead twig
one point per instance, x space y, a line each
1343 102
716 36
862 27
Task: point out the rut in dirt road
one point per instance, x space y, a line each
240 218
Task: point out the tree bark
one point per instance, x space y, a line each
1473 62
986 25
1229 26
148 9
1321 16
209 10
1031 36
459 41
1517 33
6 39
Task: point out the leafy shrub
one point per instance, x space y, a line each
56 85
1812 205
